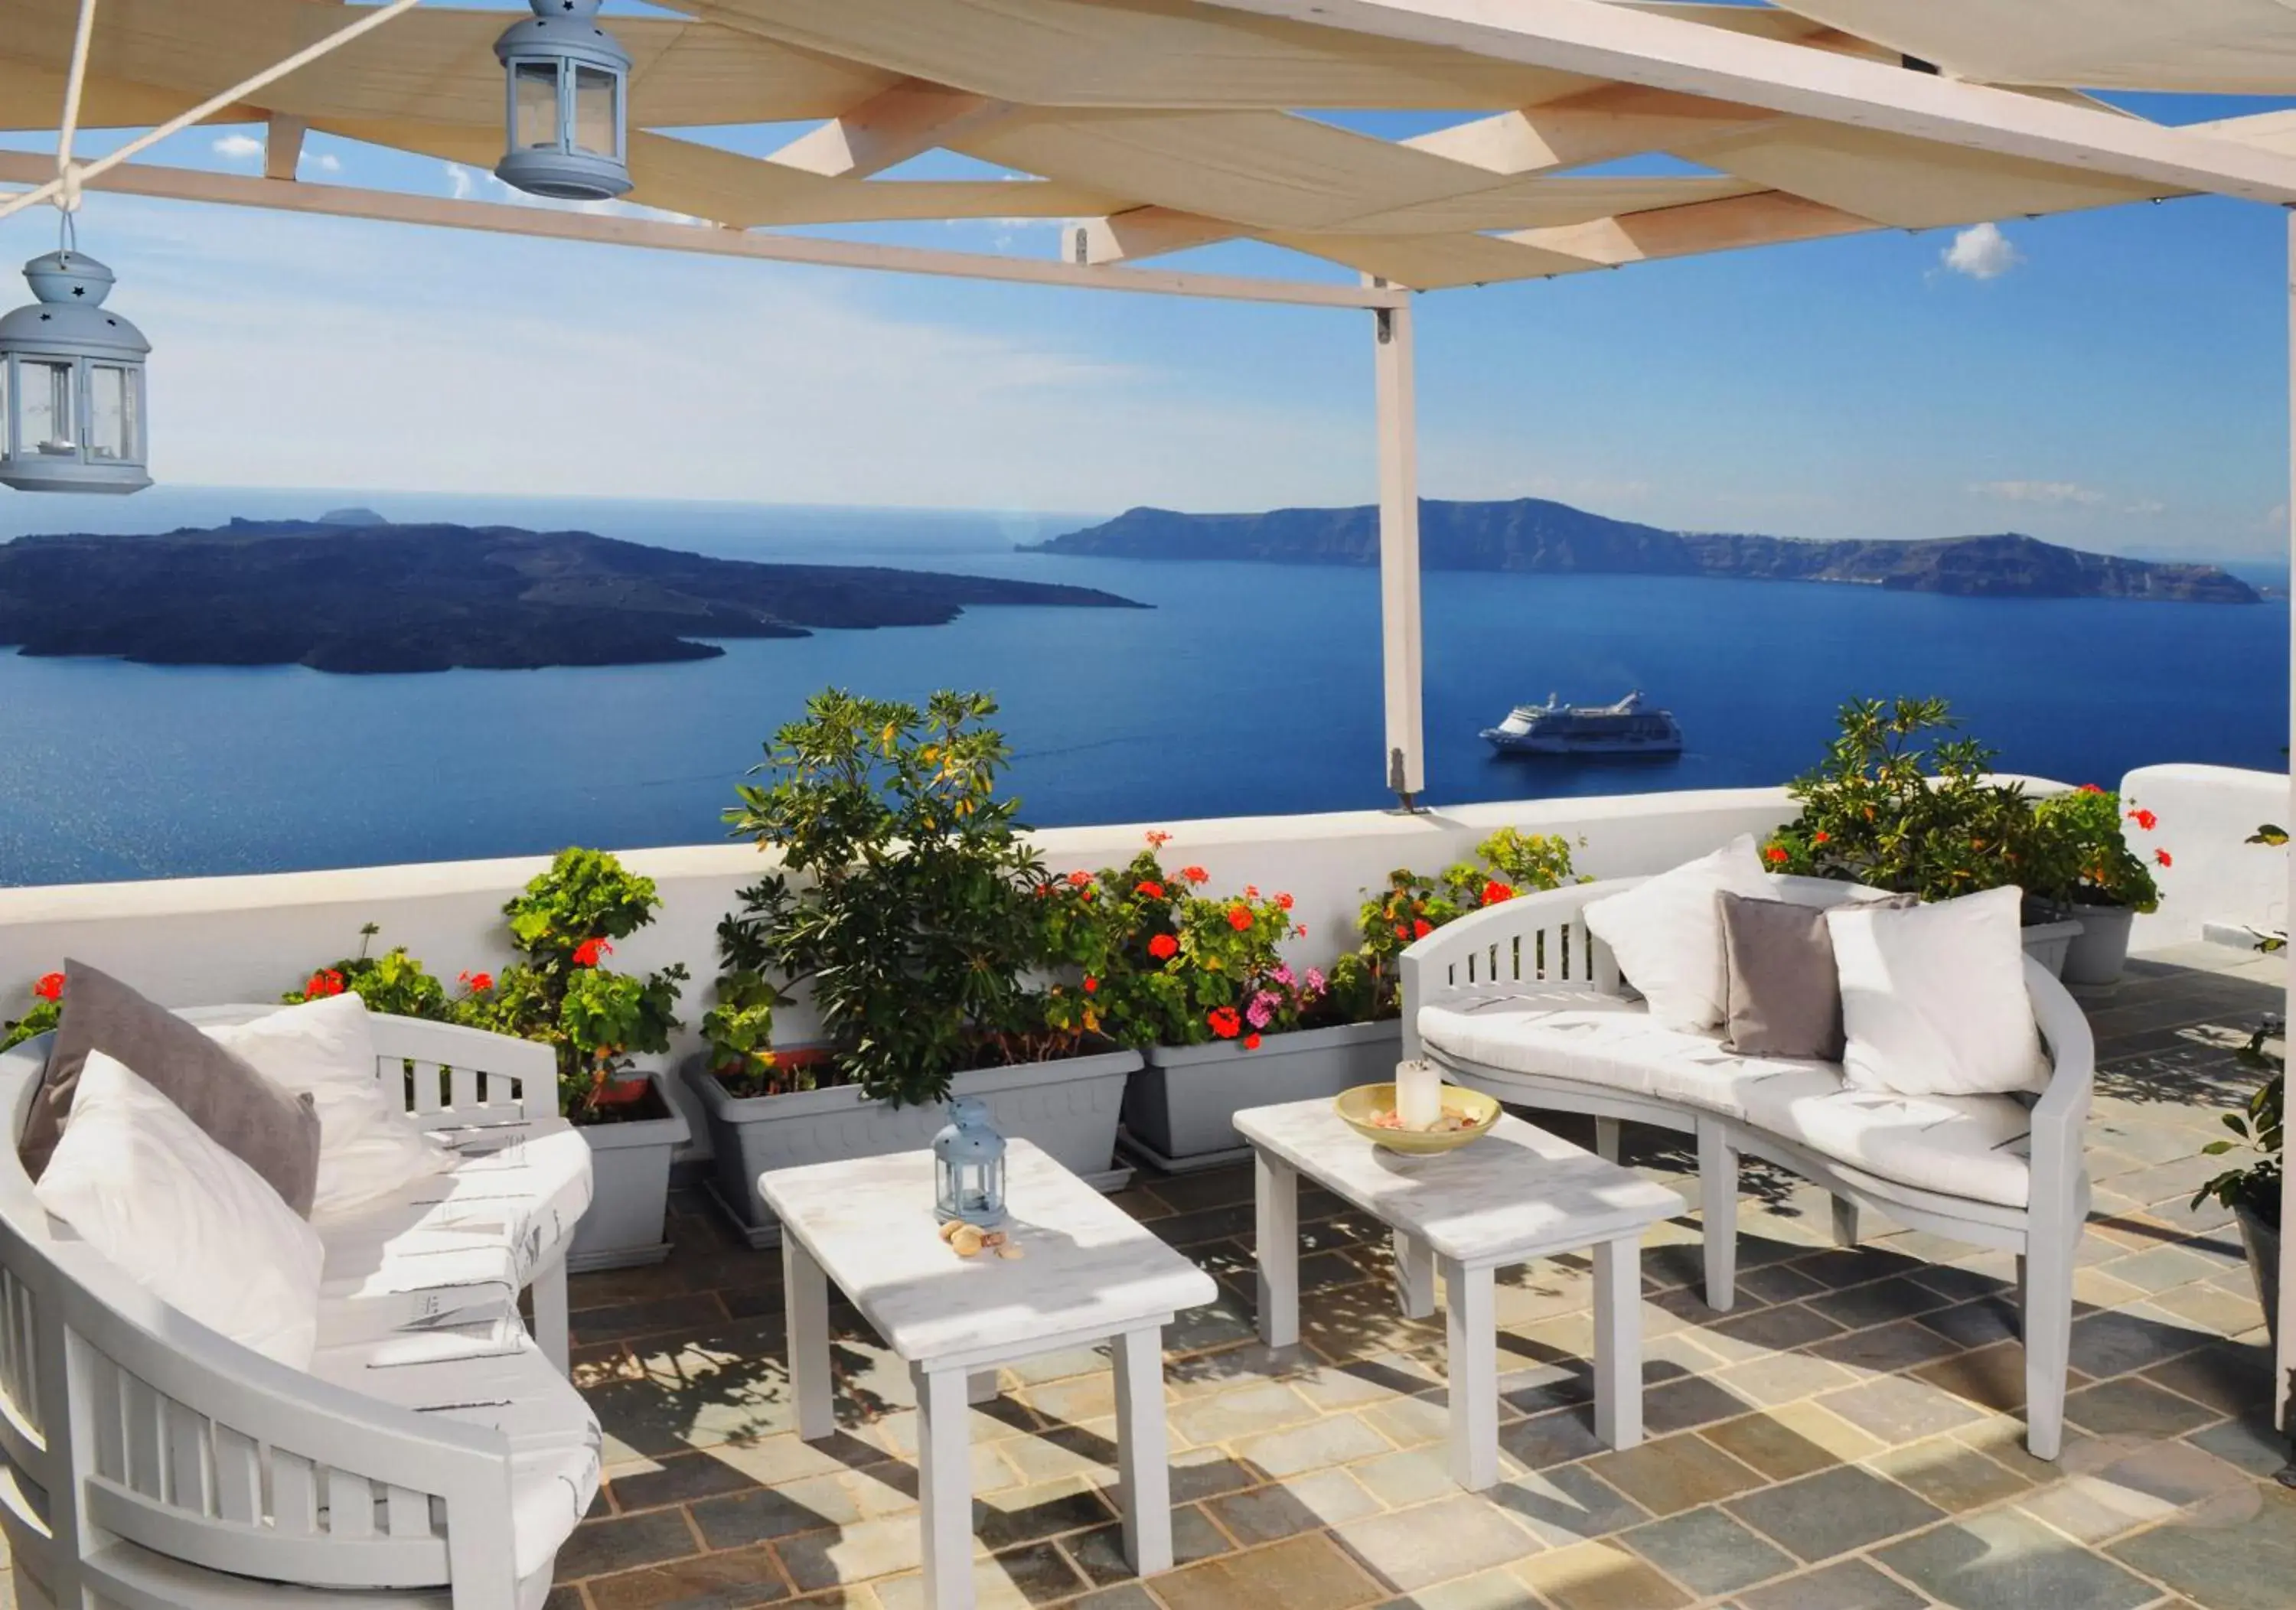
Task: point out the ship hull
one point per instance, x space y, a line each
1517 743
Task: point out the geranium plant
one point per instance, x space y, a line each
2254 1187
916 926
2081 854
565 923
48 1008
739 1028
1898 806
393 982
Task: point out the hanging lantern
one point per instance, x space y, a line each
71 384
969 1166
568 85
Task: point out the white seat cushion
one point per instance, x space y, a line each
1972 1146
457 1247
1975 1147
496 1378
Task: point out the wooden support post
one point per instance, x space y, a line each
1398 555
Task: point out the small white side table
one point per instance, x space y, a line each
1090 1273
1516 1194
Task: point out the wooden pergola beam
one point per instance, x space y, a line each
888 129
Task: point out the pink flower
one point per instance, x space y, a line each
1158 838
1285 977
1261 1012
1314 981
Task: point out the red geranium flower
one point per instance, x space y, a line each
50 986
1299 932
1154 891
588 953
1820 837
1401 932
2090 788
2164 858
1158 838
1163 947
1284 903
1251 1043
1422 928
1195 875
1091 984
1078 880
477 984
1239 918
1226 1022
2145 819
323 982
1777 853
1494 892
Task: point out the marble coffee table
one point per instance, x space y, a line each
1516 1194
1089 1273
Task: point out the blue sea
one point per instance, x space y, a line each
1246 690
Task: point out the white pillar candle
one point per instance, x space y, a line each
1418 1095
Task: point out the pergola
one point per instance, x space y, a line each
1158 125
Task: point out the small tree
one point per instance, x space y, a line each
918 926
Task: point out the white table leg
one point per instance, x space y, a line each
1144 1451
980 1387
1415 1276
1619 1342
806 1291
1472 1366
1275 1195
945 1486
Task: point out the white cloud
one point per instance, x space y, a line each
1982 252
460 182
238 148
324 162
2054 494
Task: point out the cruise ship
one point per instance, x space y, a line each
1629 727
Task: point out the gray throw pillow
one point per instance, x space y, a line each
274 1134
1782 995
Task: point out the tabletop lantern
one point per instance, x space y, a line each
71 384
969 1166
567 87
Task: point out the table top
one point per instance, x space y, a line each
1089 1268
1517 1192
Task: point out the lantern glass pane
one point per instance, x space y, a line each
534 102
48 423
7 419
110 413
595 126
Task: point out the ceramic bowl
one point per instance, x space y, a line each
1363 1103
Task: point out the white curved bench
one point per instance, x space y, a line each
434 1457
1519 1000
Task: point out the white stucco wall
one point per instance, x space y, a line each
2216 876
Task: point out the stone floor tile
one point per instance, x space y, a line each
1099 1553
1990 1377
818 1560
1599 1576
1282 1510
1900 1344
1413 1422
1409 1549
1087 1449
2218 1310
622 1542
1851 1585
675 1480
1778 1283
1334 1440
2006 1561
1679 1405
2248 1563
1306 1572
1834 1512
1877 1303
1782 1378
1949 1474
2250 1442
1553 1438
1411 1476
1841 1266
1769 1330
1557 1385
1036 1575
1484 1590
2228 1377
1899 1409
2132 1406
764 1513
1978 1322
1793 1440
1707 1551
710 1582
1226 1416
2106 1344
2159 1269
1674 1473
1566 1504
1074 1400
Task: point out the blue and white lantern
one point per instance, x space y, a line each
969 1166
567 88
71 384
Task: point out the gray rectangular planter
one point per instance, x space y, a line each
2048 944
1179 1112
629 1194
1069 1107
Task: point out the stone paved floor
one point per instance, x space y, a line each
1846 1440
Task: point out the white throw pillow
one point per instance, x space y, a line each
369 1148
185 1219
1933 999
1667 933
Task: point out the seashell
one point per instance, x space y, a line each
1011 1249
949 1228
967 1240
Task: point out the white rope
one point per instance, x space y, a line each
73 177
73 85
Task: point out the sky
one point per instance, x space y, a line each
2117 380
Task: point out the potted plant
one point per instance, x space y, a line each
1882 811
1226 1022
907 907
2086 872
2252 1190
563 925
